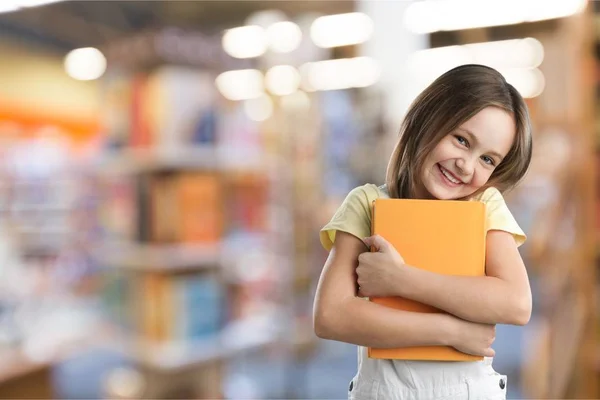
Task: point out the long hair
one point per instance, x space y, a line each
442 107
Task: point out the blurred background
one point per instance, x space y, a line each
165 167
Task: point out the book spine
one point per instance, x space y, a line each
373 249
369 349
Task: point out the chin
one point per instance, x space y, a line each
441 193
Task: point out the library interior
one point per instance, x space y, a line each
166 166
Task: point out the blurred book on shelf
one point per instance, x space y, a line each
164 108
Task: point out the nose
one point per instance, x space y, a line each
465 166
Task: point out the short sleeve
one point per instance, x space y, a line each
499 217
353 216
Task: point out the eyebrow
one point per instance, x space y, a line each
474 139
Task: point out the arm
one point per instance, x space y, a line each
503 296
340 315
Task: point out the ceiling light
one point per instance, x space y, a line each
529 82
265 18
514 53
449 15
284 37
282 80
85 64
341 29
245 41
240 84
341 73
8 7
35 3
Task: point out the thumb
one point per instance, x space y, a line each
377 242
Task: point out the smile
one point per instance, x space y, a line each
449 177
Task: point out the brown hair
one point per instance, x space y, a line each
442 107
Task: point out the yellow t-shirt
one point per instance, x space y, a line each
354 215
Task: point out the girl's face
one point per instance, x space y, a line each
463 161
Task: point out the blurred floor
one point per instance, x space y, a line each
82 377
327 376
260 376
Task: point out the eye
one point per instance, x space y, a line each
488 160
462 140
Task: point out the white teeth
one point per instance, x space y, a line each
450 178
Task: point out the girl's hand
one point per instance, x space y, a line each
379 274
473 338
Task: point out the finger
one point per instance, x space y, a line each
362 267
358 288
368 241
365 258
362 292
377 242
361 257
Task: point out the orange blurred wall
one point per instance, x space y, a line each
36 92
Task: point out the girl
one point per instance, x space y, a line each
467 136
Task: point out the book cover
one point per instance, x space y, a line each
446 237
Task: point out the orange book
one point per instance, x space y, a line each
446 237
200 208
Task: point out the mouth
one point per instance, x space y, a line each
448 177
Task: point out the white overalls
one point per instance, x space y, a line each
424 380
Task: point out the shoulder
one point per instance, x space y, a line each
360 199
352 216
492 198
498 215
489 194
360 196
365 193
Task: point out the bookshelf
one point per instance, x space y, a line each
277 180
561 254
248 334
45 228
159 265
193 216
161 258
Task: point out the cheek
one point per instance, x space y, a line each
443 151
481 177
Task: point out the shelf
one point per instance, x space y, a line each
190 158
42 248
160 258
45 230
139 160
16 362
246 335
38 208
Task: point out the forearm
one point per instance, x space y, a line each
357 321
482 299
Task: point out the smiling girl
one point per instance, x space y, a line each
466 137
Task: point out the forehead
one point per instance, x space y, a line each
493 128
